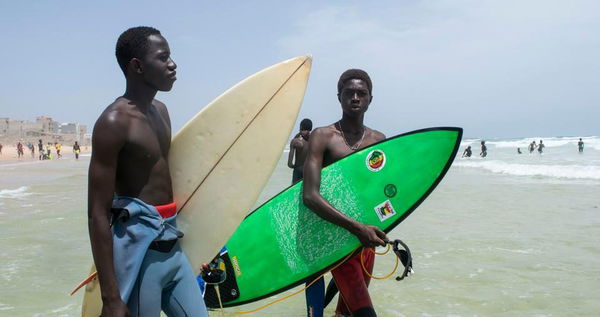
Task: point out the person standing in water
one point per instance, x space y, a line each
76 150
327 145
299 149
483 149
467 152
532 147
580 145
141 267
541 147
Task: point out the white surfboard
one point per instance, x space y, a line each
223 157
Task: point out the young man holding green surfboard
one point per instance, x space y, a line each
140 265
327 145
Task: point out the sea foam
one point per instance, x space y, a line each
555 171
20 192
589 142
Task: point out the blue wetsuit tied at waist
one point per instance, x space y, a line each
152 280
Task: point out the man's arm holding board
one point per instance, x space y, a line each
109 136
369 236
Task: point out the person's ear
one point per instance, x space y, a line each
136 65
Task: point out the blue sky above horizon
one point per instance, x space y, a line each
495 68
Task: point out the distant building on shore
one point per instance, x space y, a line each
45 128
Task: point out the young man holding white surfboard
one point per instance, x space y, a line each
140 265
327 145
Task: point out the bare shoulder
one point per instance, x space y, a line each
296 141
160 106
376 135
116 116
162 109
323 133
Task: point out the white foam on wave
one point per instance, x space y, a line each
466 142
6 307
593 143
590 141
528 251
555 171
18 193
67 307
549 142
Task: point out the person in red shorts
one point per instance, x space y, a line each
327 145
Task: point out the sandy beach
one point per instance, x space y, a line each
9 154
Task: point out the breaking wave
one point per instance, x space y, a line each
555 171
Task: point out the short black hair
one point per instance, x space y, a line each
133 43
306 124
355 74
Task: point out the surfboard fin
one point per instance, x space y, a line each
83 283
332 290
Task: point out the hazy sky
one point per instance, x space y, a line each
495 68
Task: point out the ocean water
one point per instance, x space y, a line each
557 161
508 235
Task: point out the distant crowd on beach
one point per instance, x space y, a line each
45 151
532 147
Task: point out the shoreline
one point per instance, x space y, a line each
9 154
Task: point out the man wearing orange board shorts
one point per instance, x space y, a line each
327 145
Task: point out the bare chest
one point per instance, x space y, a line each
339 148
147 141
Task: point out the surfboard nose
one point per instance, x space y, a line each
308 60
301 61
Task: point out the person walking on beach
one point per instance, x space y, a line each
327 145
483 149
40 149
144 270
299 148
76 150
579 146
57 146
49 151
541 147
31 148
19 150
467 152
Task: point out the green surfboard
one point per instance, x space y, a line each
283 243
